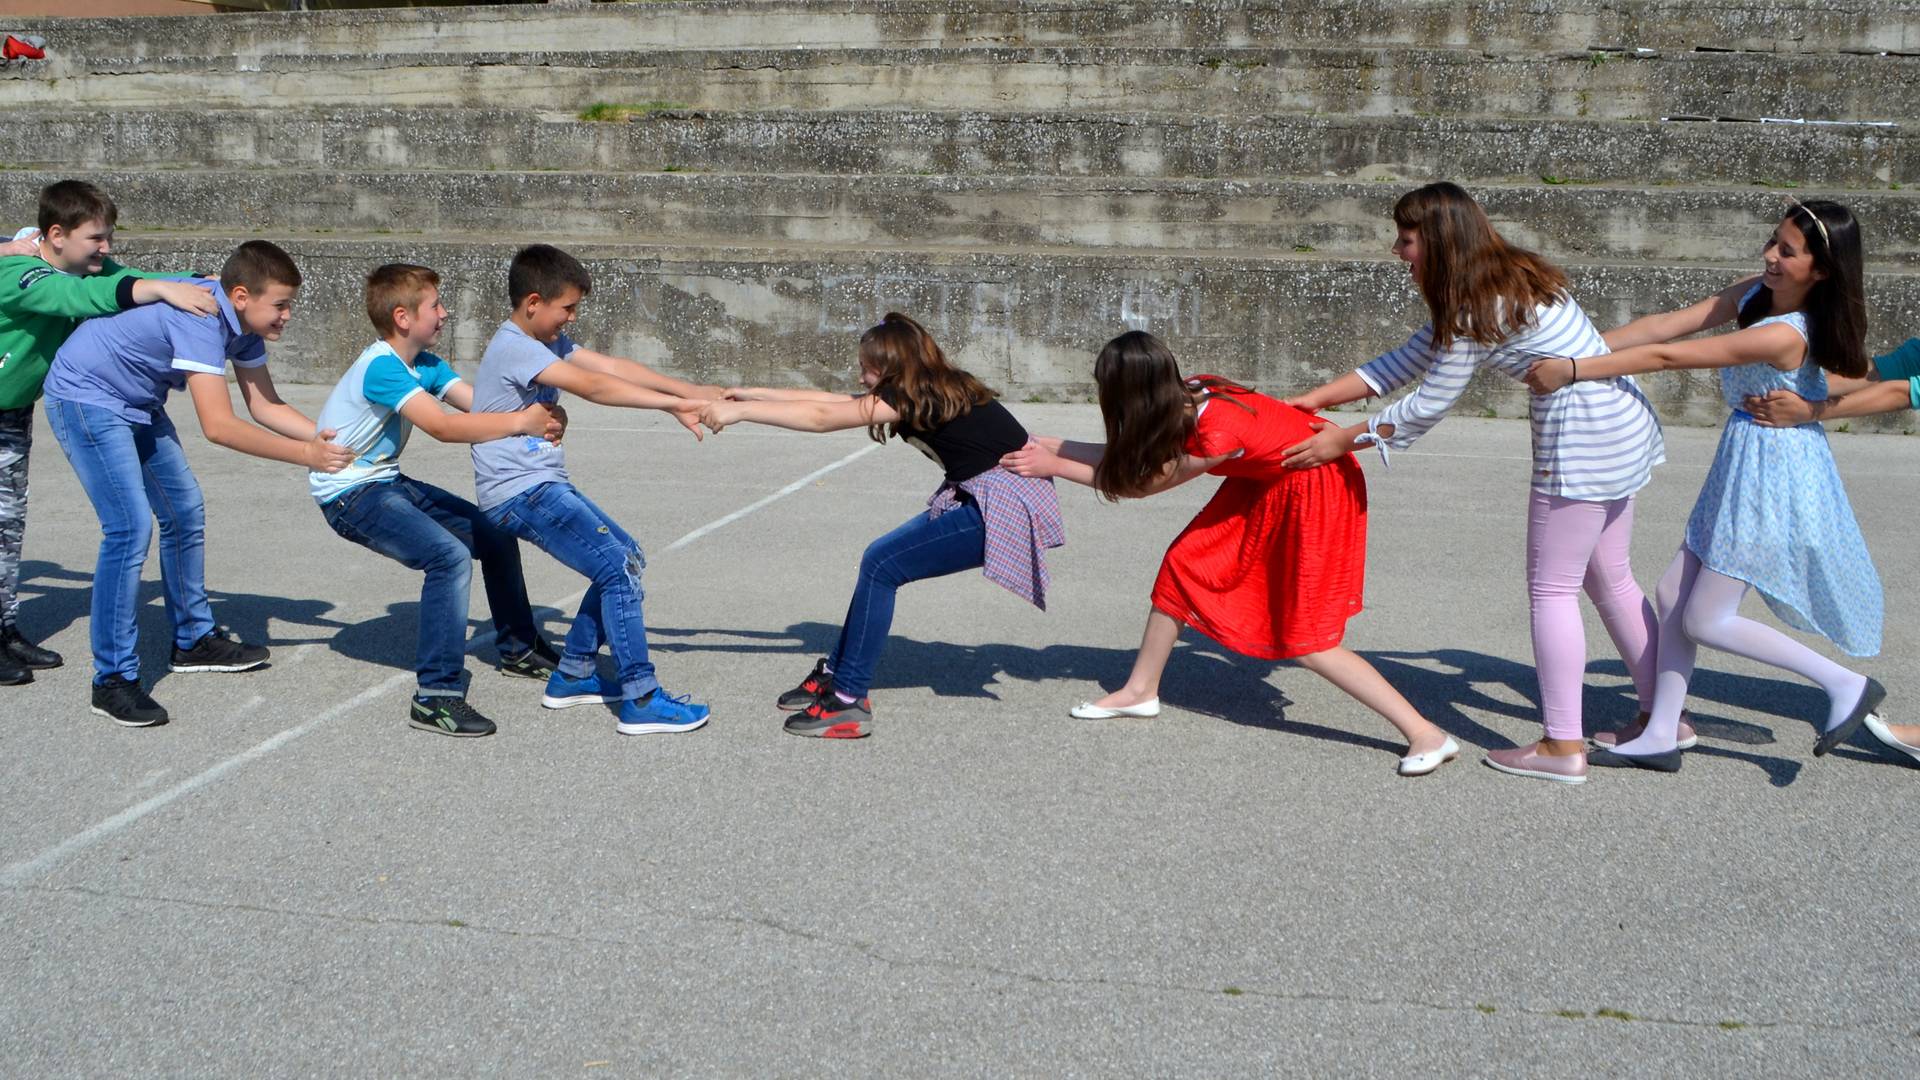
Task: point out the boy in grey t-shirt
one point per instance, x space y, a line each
521 485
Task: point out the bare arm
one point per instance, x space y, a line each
266 407
460 427
184 295
1715 310
766 393
1775 344
801 415
641 375
1784 408
604 389
1348 387
214 406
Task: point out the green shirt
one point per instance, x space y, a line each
39 308
1903 363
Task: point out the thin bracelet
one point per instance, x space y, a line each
1573 366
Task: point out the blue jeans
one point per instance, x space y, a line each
135 474
566 525
424 528
922 548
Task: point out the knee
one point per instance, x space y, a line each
877 565
622 569
1699 624
450 559
132 531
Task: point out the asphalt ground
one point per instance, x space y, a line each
288 881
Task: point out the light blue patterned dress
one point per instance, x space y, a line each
1774 514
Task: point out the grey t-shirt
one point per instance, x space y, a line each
506 467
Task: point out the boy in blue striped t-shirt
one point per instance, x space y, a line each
395 386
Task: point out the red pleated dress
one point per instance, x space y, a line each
1274 564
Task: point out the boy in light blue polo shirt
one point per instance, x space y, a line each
394 386
106 394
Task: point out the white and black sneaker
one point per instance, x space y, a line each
448 716
121 700
219 650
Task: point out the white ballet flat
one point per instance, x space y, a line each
1422 764
1087 710
1879 729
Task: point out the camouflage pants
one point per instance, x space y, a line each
16 439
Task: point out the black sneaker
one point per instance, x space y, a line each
812 687
448 716
12 672
121 700
219 650
20 652
539 662
827 717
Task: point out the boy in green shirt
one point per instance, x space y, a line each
43 296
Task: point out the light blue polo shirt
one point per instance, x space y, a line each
128 363
1903 363
506 467
364 411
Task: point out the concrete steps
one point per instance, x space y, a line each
1567 222
1350 81
1792 26
1061 143
1027 176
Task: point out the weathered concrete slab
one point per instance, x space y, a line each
1355 81
1063 143
1028 321
1565 222
1761 25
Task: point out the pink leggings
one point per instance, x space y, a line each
1573 544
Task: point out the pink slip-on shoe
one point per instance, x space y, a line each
1529 761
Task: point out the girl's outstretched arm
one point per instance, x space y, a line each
1075 461
769 393
1776 344
835 415
1045 455
1715 310
1348 387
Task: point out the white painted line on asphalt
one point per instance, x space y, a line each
775 497
17 873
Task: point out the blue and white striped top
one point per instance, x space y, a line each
1592 441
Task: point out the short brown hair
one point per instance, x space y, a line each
72 203
257 264
396 285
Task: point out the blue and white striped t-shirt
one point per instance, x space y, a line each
1592 441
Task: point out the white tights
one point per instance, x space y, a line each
1701 607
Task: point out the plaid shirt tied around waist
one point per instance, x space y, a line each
1022 517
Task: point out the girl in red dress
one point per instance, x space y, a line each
1272 566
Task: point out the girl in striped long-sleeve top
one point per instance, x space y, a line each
981 517
1496 306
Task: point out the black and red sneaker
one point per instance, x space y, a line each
827 717
815 684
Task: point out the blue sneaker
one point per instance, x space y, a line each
660 712
564 692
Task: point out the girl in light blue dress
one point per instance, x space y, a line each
1773 515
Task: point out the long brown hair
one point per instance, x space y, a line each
1477 285
1836 306
924 389
1148 409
